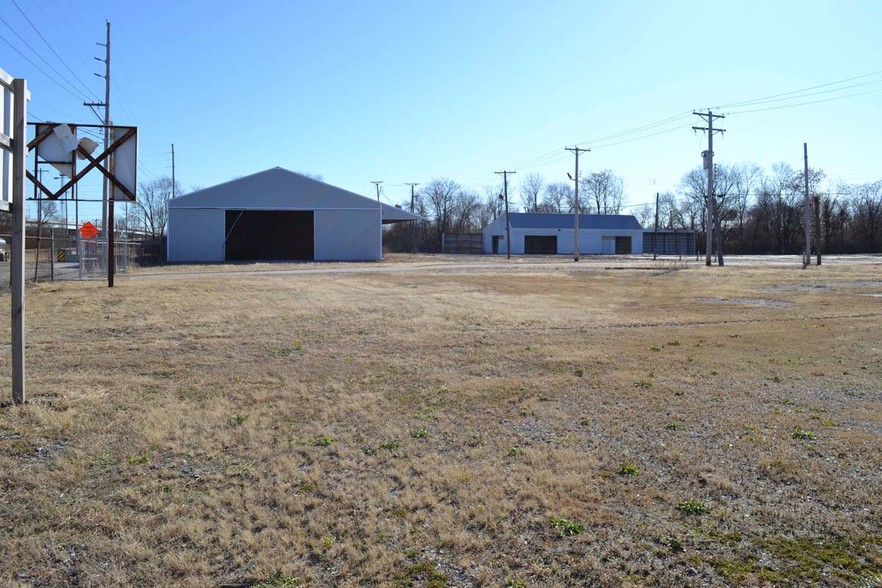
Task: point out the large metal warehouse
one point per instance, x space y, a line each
277 214
552 234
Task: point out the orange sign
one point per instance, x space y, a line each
88 230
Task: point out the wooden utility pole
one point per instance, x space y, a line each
807 258
377 184
577 152
507 223
709 166
412 186
655 236
107 209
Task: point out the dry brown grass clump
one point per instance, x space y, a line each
493 428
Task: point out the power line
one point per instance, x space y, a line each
38 68
805 103
636 129
35 52
819 92
52 49
757 100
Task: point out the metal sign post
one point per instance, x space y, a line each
13 153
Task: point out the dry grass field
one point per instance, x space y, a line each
670 426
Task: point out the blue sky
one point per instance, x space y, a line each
410 91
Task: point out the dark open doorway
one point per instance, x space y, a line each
271 235
540 245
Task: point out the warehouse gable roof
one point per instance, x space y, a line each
282 189
532 220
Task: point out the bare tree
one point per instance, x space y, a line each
531 188
645 216
604 190
441 197
152 205
466 212
558 198
670 212
493 206
866 202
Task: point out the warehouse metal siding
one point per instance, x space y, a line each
196 235
353 235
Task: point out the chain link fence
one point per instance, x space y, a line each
55 252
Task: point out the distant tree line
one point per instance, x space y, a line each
759 211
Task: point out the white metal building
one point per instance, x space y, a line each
552 234
277 215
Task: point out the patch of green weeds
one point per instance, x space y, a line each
515 451
323 441
693 507
422 574
776 378
430 413
566 527
676 546
741 571
137 459
656 347
805 434
827 423
104 460
420 433
643 384
304 488
810 560
525 411
328 542
627 469
515 583
277 581
653 374
674 426
475 439
236 420
674 343
390 444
